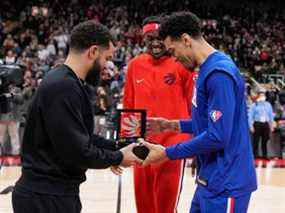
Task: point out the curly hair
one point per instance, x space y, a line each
178 23
89 33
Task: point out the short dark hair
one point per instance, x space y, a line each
178 23
89 33
152 19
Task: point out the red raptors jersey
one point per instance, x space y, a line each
163 87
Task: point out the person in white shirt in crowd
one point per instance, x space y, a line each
10 58
61 39
261 120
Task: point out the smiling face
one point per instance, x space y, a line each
182 51
154 44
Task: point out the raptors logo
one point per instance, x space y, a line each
169 78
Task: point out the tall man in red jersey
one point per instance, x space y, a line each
158 83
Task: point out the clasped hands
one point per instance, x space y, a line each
157 153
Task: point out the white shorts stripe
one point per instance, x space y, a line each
180 184
230 204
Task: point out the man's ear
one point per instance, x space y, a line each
186 39
93 52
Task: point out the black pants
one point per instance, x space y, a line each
261 131
29 202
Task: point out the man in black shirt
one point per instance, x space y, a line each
59 144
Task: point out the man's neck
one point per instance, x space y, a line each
205 50
75 63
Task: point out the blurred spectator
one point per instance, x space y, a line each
282 97
101 107
280 112
252 35
61 38
43 53
101 102
10 121
10 57
261 123
51 48
9 42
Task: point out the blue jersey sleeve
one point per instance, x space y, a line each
221 108
186 126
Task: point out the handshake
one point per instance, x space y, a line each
144 153
155 154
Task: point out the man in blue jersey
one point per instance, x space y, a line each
226 176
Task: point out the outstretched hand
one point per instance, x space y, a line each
156 154
117 170
129 158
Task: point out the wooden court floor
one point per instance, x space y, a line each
99 192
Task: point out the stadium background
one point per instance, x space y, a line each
34 34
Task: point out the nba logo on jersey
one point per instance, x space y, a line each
215 115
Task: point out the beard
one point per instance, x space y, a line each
158 55
93 76
157 52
